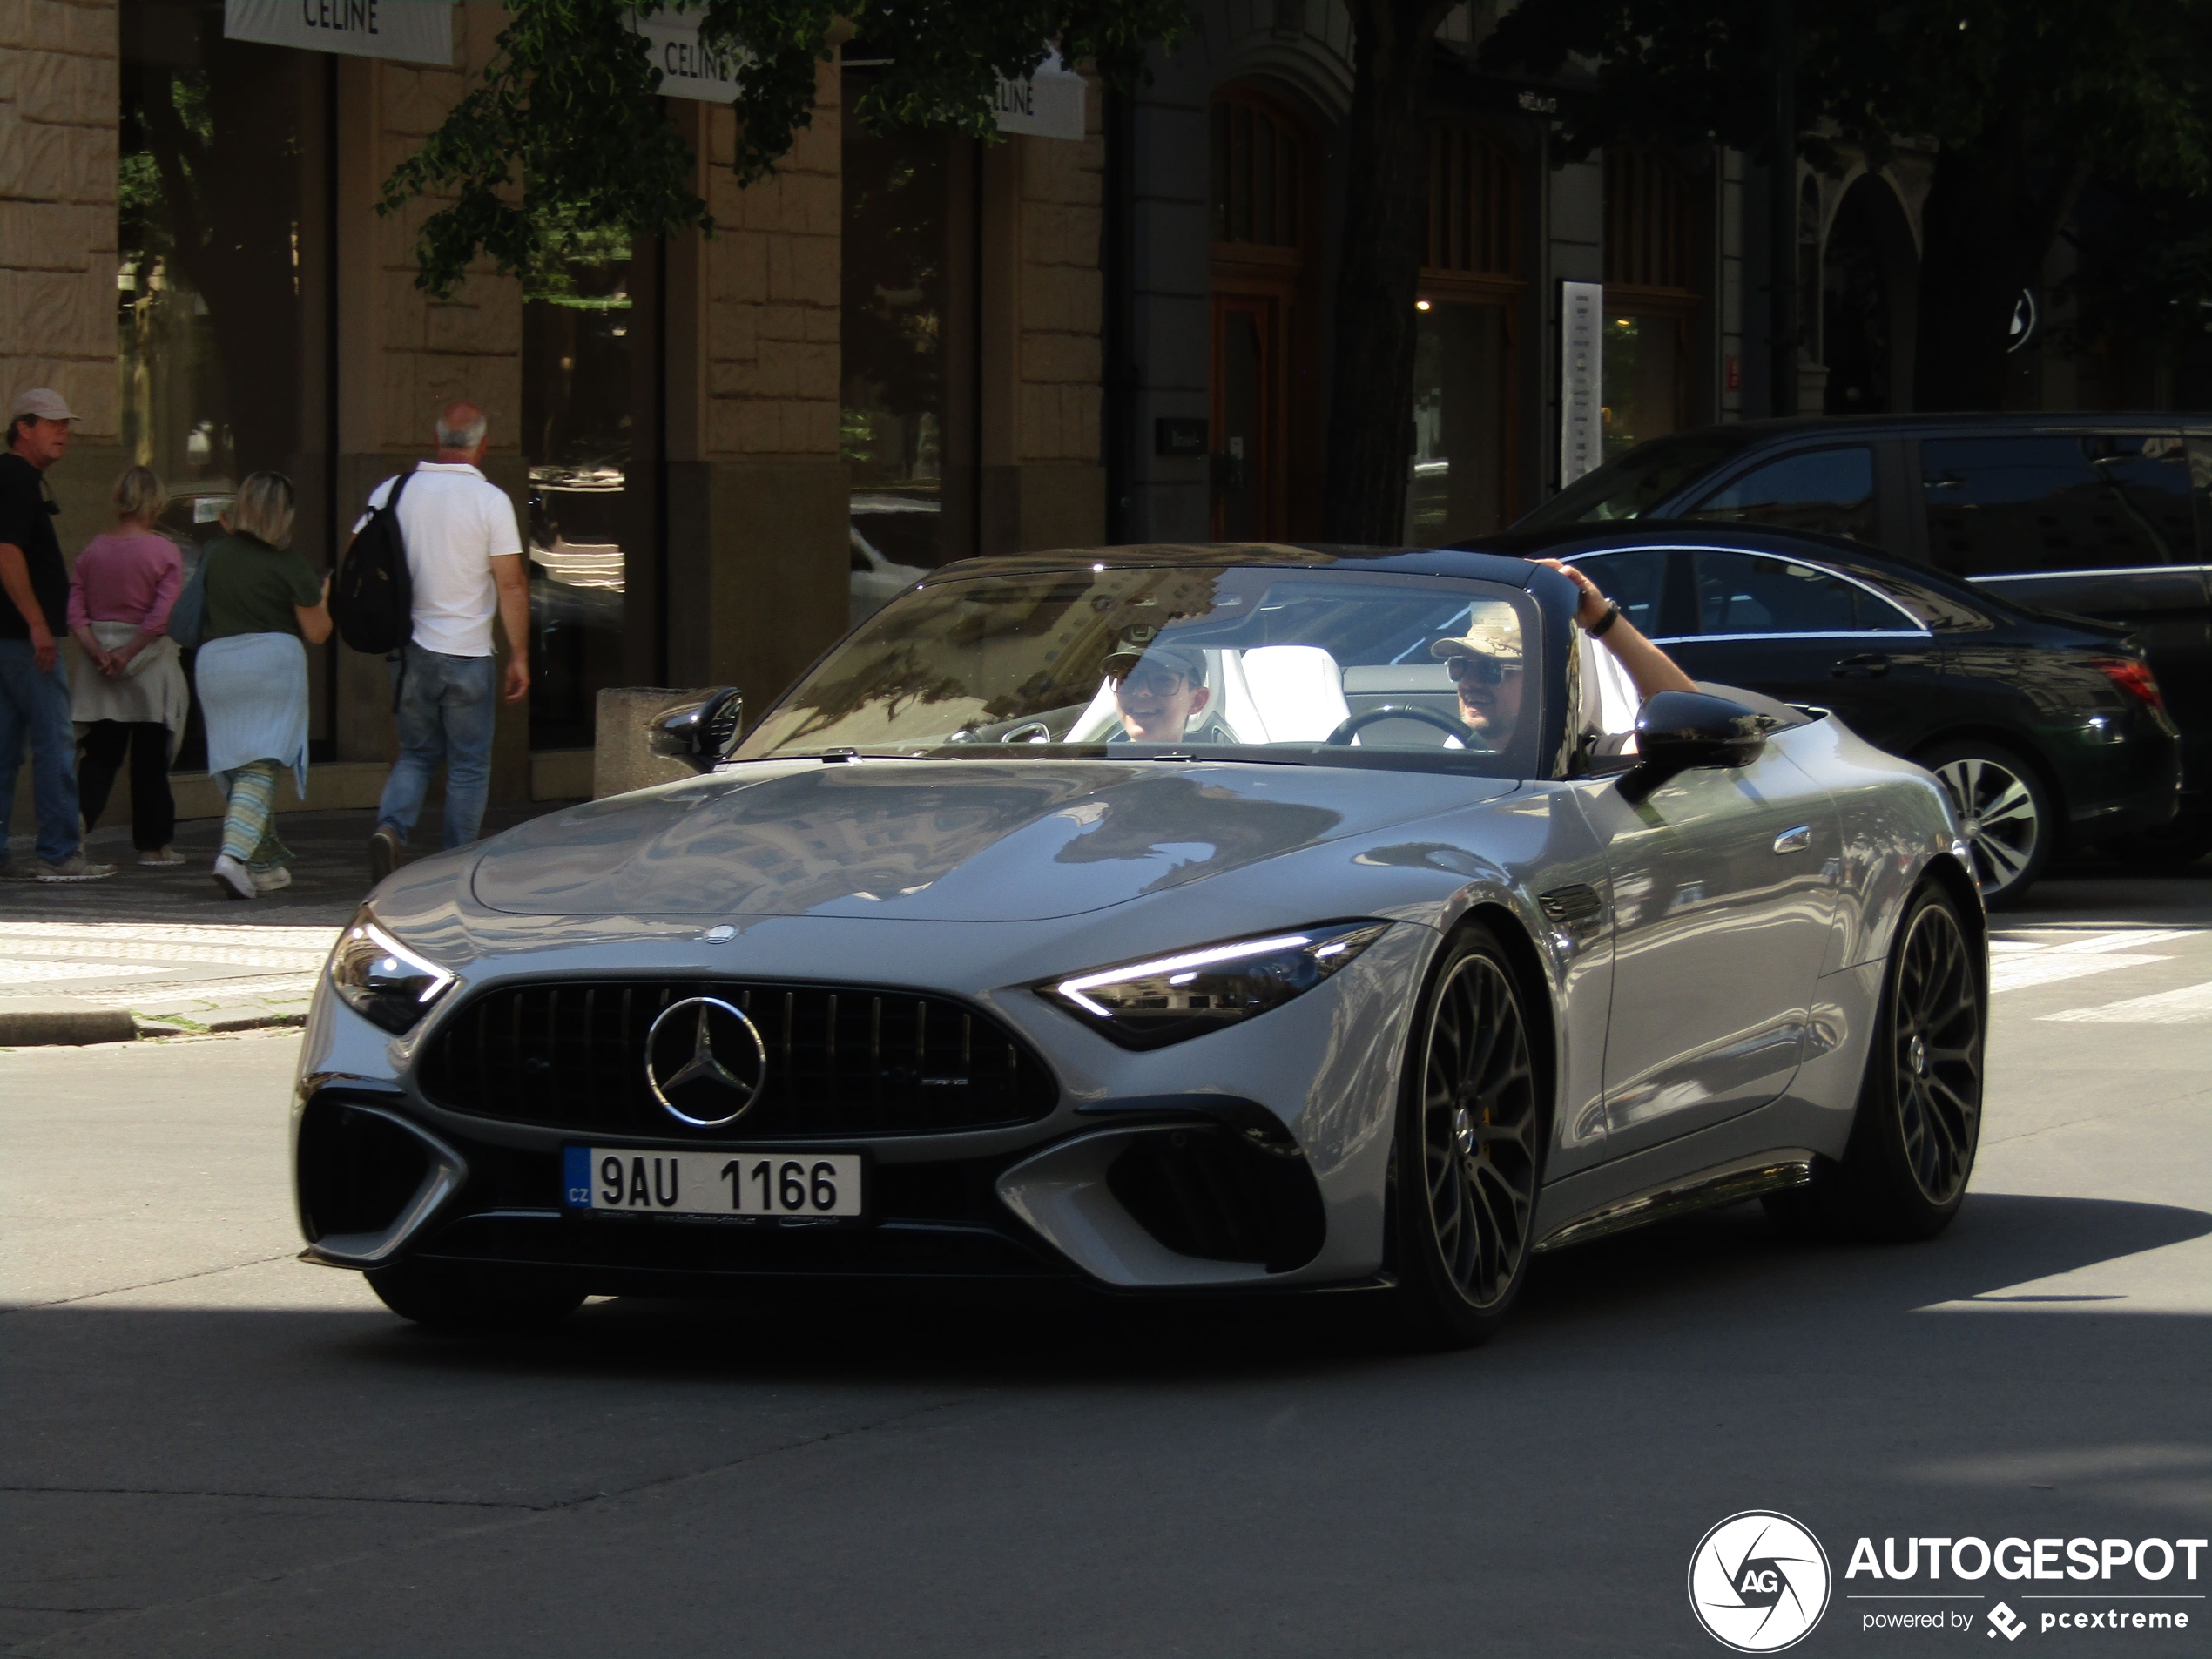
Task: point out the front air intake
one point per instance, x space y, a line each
1208 1192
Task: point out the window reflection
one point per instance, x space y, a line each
1460 379
577 412
907 333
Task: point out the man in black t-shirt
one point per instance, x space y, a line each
34 617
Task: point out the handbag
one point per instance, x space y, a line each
188 616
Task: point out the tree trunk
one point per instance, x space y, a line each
1370 397
1986 228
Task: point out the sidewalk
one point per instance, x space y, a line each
162 953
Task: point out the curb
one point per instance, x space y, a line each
82 1027
72 1026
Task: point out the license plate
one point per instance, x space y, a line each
635 1181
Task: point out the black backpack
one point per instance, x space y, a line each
372 600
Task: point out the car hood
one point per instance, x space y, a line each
940 841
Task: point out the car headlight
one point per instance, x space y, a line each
1169 999
382 979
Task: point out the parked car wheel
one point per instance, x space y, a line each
460 1301
1472 1125
2008 813
1904 1172
2174 846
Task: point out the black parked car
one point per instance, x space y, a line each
2046 731
2100 515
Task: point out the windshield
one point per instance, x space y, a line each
1331 665
1638 482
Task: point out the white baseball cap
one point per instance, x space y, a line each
43 402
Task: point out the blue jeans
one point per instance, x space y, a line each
449 709
34 708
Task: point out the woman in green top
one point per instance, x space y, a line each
265 606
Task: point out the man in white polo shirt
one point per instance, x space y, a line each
466 563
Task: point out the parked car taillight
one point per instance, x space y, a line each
2133 677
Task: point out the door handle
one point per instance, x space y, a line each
1794 840
1867 665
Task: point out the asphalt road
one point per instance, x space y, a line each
211 1448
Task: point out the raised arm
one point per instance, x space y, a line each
1651 669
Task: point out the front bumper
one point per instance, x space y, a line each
1256 1156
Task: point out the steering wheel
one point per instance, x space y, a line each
1359 723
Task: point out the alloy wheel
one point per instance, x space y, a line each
1479 1129
1998 812
1936 1036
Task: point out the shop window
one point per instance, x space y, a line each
2004 505
224 284
1464 368
1651 297
589 509
907 410
1820 489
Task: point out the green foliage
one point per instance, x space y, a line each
566 143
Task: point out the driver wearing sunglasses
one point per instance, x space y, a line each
1486 662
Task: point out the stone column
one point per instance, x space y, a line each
58 105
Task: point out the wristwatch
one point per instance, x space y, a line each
1596 629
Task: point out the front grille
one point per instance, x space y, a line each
842 1060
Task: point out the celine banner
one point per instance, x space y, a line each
408 32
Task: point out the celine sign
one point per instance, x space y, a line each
1046 104
408 32
688 70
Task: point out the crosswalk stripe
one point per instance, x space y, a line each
2188 1005
2048 966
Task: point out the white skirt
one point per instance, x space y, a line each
253 694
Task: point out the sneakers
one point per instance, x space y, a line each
270 880
383 853
233 878
162 858
75 867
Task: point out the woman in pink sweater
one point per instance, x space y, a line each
127 691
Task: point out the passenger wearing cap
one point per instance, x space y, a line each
1159 689
1486 662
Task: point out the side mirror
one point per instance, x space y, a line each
702 733
1678 731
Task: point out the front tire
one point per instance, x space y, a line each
1904 1172
1473 1122
462 1301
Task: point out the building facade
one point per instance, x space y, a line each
886 355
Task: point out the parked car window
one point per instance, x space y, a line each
2000 506
1636 581
1754 593
1631 485
1819 490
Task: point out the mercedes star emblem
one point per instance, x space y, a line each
704 1062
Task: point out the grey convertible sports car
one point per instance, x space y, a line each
1167 919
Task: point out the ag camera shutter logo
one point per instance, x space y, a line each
1758 1581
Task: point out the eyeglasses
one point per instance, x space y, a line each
1465 665
1158 682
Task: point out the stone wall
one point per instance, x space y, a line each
58 177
